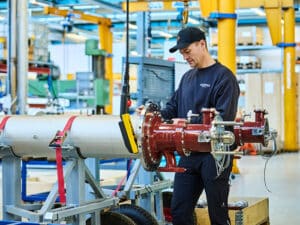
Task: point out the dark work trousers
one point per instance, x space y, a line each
200 174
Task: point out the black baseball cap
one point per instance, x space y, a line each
187 36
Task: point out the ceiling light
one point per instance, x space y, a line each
34 2
193 21
132 26
84 7
164 34
259 11
75 37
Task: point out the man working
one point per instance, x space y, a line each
208 84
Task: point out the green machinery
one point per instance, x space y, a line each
101 85
89 90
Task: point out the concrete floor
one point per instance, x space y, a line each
276 178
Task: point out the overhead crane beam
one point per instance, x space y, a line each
105 40
142 6
77 15
171 5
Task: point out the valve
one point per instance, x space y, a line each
160 139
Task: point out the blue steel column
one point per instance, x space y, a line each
22 55
76 188
146 201
12 53
141 35
11 185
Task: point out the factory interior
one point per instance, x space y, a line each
75 150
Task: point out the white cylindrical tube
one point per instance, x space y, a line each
96 136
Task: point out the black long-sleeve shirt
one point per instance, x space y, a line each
211 87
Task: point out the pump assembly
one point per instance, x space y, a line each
160 139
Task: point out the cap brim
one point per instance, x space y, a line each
178 46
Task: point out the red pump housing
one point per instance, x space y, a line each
163 139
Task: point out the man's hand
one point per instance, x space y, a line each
140 111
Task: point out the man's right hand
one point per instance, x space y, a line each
140 111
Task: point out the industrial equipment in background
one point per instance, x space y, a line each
101 85
151 77
94 48
89 92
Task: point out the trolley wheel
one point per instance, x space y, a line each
138 214
113 218
167 198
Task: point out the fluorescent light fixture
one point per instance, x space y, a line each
55 19
83 7
134 53
193 21
88 35
259 11
132 26
75 37
164 34
35 2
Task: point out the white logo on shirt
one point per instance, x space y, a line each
205 85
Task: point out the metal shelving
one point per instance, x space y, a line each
246 71
241 48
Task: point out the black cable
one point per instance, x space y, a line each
267 161
265 169
125 82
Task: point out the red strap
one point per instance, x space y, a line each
122 180
60 173
3 122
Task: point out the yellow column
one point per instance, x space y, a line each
274 17
226 43
226 35
290 82
105 40
208 6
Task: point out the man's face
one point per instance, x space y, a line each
194 53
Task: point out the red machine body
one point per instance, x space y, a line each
253 132
163 139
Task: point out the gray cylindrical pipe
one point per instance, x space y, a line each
22 55
95 136
98 66
11 59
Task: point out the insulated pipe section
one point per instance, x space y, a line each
94 136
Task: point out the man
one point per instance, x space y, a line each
208 84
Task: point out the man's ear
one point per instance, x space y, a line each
203 43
